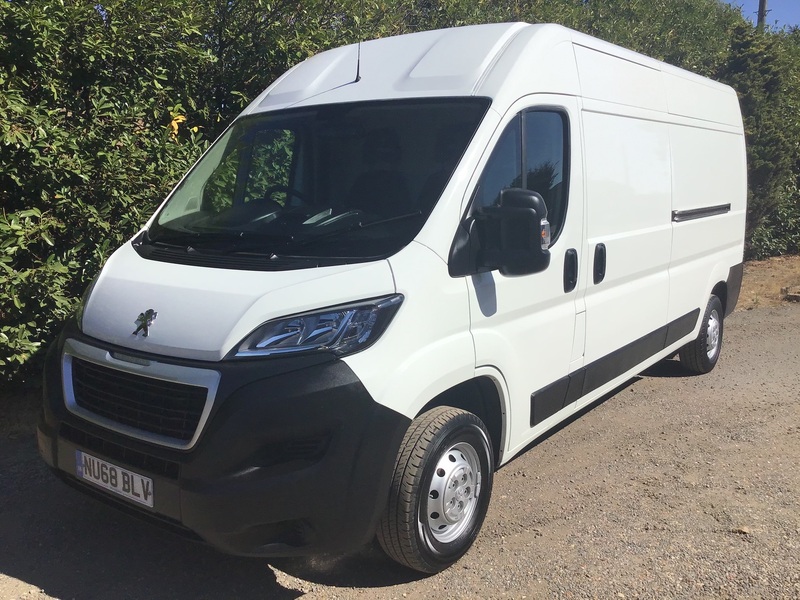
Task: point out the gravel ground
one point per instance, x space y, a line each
673 487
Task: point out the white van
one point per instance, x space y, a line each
398 267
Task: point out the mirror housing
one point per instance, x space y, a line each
513 236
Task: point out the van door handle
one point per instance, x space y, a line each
570 270
599 263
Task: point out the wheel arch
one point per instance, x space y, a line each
481 396
725 282
720 290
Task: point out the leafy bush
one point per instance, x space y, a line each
86 150
778 233
104 106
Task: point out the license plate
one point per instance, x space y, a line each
115 479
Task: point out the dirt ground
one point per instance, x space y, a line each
764 280
672 487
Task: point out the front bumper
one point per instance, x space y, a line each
294 458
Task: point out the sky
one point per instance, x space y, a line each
782 13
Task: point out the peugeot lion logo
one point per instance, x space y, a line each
144 321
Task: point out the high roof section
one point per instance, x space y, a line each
504 62
446 62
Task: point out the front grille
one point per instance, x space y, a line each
151 405
138 461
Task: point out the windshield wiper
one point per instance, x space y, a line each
358 225
181 239
231 241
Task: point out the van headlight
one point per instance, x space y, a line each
339 329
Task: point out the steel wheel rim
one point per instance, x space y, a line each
713 334
453 493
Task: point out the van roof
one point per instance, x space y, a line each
501 61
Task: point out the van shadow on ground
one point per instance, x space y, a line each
70 546
670 367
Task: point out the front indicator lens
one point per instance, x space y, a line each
341 330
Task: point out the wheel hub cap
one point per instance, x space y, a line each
712 335
453 493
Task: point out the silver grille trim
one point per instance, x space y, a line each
190 376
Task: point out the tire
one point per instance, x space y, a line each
440 490
702 354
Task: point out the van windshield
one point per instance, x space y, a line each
345 181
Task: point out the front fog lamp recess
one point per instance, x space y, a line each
341 330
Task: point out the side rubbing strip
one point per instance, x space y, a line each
559 394
681 327
699 213
548 401
603 370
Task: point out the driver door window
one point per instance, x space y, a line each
537 140
546 162
504 169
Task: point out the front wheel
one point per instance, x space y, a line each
702 354
440 490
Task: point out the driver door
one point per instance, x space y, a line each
532 327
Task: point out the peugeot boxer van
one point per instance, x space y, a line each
398 267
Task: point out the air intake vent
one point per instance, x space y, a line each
164 408
239 261
116 452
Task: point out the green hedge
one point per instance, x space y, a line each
104 106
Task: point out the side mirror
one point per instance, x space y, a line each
514 236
